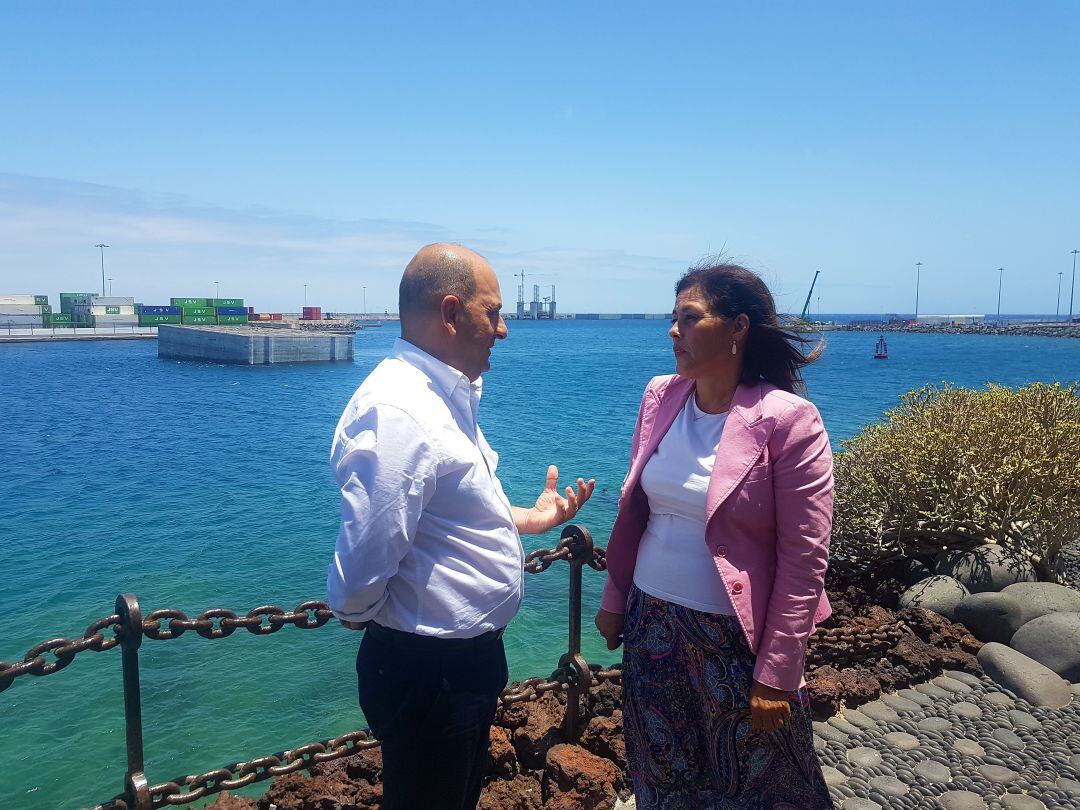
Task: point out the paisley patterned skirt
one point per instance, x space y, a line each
686 713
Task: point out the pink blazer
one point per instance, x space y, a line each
769 516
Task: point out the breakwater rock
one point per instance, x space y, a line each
1024 330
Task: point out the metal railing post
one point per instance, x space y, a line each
581 551
136 788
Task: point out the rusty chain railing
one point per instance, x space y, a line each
126 628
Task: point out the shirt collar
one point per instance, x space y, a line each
446 377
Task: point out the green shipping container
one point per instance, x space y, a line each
199 320
41 300
189 302
231 319
45 308
189 311
226 302
155 320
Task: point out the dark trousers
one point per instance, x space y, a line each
431 702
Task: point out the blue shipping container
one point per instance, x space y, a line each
232 311
148 310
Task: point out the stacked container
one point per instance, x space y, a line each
72 304
24 310
107 310
157 315
231 311
312 314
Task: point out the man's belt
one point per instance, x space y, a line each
401 638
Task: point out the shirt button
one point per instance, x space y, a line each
721 551
736 588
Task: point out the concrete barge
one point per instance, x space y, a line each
253 346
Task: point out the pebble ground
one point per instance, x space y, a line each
958 742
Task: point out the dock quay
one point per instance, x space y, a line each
254 346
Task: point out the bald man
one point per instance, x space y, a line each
428 557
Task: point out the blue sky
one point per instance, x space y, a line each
601 147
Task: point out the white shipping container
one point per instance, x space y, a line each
17 300
20 320
19 309
103 310
117 320
110 301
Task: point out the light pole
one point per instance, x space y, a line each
1001 272
110 286
305 295
365 299
1072 285
101 247
1057 308
918 273
217 289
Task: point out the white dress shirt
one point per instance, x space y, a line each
427 542
673 562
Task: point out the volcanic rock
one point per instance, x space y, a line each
575 779
940 594
523 792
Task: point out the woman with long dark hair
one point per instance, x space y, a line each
716 562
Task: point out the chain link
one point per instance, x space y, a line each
64 651
543 558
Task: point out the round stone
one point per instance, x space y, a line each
933 771
1024 720
915 570
1041 598
859 804
1024 676
932 691
965 677
1007 738
889 785
951 685
934 724
998 774
990 616
916 697
842 725
900 704
902 740
998 699
988 567
1074 760
969 711
830 734
833 776
879 711
1070 786
969 748
961 800
1054 641
864 757
940 594
1021 801
857 718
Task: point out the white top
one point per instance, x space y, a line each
427 541
673 562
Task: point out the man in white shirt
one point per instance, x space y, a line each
428 557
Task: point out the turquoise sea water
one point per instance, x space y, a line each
197 485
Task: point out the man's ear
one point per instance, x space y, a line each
450 308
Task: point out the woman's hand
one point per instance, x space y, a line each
610 626
769 708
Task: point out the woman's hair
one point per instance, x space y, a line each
774 351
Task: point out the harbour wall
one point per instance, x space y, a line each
254 347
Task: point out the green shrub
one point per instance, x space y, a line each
955 467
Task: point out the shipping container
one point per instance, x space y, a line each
156 309
41 300
95 309
20 309
275 316
190 302
258 316
155 320
311 314
58 318
113 301
226 302
18 300
198 320
251 310
232 319
231 311
20 321
198 311
115 320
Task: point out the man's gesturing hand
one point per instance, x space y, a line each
551 508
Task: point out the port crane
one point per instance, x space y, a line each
806 307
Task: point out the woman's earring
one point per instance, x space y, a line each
734 348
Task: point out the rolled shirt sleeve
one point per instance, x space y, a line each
385 466
803 491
